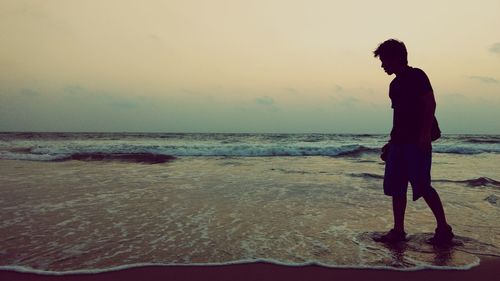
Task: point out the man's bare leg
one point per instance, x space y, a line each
398 209
432 199
397 234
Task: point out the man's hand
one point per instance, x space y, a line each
424 142
385 151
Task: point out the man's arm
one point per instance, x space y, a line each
428 108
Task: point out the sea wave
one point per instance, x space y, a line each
129 151
148 158
466 149
367 175
234 146
475 182
155 153
482 139
481 181
127 157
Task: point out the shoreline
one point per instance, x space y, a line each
262 271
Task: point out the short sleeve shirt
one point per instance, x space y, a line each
406 92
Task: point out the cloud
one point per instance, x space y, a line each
29 93
73 89
291 90
124 104
154 37
81 95
453 96
495 48
484 79
343 99
265 101
120 101
349 101
338 89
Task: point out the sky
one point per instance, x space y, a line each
273 66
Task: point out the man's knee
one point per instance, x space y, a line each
429 192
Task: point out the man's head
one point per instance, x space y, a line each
393 55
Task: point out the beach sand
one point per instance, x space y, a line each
488 268
77 215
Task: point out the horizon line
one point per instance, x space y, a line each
243 133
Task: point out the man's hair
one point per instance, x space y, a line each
392 48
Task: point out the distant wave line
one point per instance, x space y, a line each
481 181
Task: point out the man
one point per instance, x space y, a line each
408 153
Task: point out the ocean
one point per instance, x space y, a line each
90 202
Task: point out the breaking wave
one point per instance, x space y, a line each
127 157
140 146
159 154
481 181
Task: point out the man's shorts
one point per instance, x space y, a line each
407 163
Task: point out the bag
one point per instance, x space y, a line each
435 131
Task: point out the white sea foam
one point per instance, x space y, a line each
235 262
59 152
467 148
50 147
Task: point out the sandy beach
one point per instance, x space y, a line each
211 217
488 268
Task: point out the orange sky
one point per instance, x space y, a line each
240 66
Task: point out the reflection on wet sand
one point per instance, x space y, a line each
417 249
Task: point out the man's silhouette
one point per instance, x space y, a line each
409 151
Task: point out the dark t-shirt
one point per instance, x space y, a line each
406 92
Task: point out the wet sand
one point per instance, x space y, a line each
77 215
237 217
488 268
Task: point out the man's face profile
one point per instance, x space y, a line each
389 64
